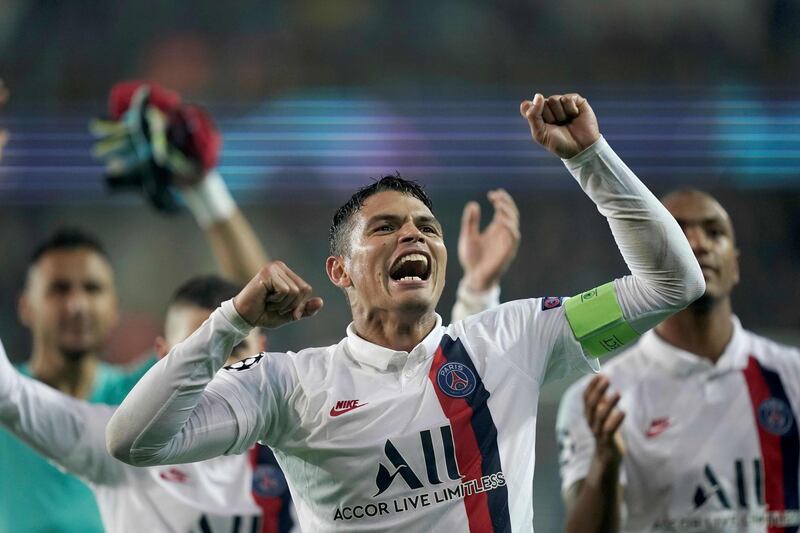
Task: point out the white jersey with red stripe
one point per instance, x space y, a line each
709 447
436 439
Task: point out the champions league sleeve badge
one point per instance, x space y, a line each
456 380
245 364
551 302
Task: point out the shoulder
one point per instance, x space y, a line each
772 353
772 348
284 366
512 316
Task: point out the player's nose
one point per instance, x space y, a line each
409 232
77 302
698 240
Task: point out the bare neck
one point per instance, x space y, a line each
393 330
74 377
704 328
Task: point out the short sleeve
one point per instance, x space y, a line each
534 333
257 390
575 440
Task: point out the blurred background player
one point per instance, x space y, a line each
208 496
69 304
709 437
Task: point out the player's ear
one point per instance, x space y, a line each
161 347
337 272
24 311
736 255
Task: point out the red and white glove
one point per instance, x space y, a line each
153 142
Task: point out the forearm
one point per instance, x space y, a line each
596 501
169 417
665 274
236 248
67 431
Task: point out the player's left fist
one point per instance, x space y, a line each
276 296
564 124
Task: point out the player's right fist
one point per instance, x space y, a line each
276 296
564 124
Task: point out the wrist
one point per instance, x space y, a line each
608 460
478 283
235 316
478 299
586 152
210 201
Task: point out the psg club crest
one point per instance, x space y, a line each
244 364
456 380
775 416
268 481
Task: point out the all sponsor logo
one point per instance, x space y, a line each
775 416
456 380
441 477
749 490
245 364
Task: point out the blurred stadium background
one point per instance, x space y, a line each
314 97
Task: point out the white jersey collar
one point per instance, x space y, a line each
382 358
681 363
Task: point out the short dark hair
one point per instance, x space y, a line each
338 238
206 292
68 238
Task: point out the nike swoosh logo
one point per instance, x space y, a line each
657 428
335 412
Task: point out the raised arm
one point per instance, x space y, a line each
665 274
485 255
237 250
67 431
170 416
177 151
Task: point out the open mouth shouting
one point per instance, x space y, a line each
412 268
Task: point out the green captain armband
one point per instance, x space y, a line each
597 322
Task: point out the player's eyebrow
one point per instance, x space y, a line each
418 220
702 221
714 221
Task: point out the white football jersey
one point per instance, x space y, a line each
372 439
208 496
203 497
709 447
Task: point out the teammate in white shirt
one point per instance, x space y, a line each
709 439
212 495
406 424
